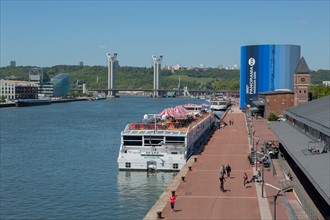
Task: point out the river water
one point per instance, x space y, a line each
59 161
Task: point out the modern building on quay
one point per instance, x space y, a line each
305 154
61 84
266 68
57 86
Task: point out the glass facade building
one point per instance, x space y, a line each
61 83
266 68
37 74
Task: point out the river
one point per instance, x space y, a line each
59 161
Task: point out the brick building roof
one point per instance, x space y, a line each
302 67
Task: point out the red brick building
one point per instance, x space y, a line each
277 101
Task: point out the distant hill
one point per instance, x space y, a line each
319 76
142 77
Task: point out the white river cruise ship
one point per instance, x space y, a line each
165 141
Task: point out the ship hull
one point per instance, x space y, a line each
31 102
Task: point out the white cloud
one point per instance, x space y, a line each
101 46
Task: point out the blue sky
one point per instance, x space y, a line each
190 33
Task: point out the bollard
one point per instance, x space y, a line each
182 178
189 168
159 214
195 159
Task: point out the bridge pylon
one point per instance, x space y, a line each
112 63
157 68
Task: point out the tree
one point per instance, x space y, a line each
319 91
272 116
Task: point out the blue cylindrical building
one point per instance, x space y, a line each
266 68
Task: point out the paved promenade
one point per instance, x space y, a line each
199 195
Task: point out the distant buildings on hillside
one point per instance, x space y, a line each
39 85
12 63
201 67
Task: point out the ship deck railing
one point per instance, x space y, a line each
158 132
170 125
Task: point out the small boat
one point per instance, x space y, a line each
32 102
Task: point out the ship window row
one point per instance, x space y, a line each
133 143
132 138
175 165
151 140
175 139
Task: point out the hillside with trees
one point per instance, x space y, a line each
142 77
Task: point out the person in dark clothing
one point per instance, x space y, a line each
222 183
256 178
245 179
228 170
222 170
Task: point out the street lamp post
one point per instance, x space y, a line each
256 154
253 140
275 198
262 180
277 195
263 174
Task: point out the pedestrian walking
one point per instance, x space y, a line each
228 170
172 201
222 170
222 183
245 179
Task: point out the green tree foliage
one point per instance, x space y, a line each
226 85
272 116
319 91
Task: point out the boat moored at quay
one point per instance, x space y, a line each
220 104
32 102
165 141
